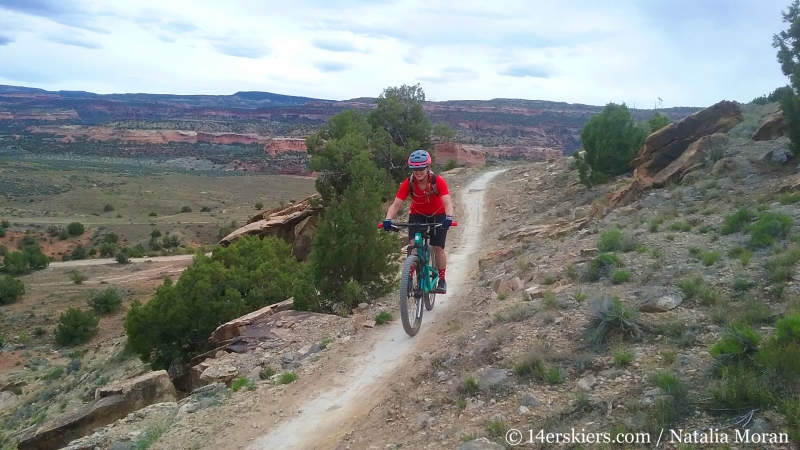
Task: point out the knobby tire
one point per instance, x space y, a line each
410 324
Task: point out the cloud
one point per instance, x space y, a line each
66 12
331 66
71 39
334 45
452 74
5 40
525 70
227 46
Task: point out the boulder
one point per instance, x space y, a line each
219 373
774 126
234 328
655 302
111 403
780 156
678 149
289 223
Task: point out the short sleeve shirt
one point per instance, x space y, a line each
426 203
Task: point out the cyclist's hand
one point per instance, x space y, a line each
387 225
448 220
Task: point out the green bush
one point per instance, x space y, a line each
259 205
76 327
621 276
737 221
787 330
609 319
77 277
615 241
5 224
657 122
75 229
108 208
107 301
186 209
450 165
601 266
287 377
611 140
123 258
739 342
153 214
383 317
11 289
243 277
769 226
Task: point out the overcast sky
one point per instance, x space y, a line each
687 52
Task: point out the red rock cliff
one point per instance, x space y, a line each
445 151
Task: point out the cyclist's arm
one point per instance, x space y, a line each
448 204
393 208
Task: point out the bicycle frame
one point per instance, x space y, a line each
421 245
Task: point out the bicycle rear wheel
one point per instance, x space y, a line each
411 296
429 298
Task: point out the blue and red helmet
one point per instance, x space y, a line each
420 159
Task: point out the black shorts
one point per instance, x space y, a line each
438 235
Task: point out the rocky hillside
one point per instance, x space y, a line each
584 311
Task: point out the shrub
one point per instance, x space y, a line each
787 330
76 327
77 277
107 301
111 238
621 276
601 266
691 286
615 240
122 258
11 289
75 229
153 214
287 377
239 383
768 227
675 405
259 205
657 121
108 208
450 165
532 366
789 198
739 341
709 258
622 358
186 209
611 140
737 221
243 277
608 319
5 224
383 317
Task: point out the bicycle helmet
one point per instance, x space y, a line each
420 159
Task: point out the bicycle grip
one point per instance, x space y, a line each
454 224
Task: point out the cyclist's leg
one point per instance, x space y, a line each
438 243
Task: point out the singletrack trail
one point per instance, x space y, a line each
325 419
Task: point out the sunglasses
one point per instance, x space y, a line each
420 170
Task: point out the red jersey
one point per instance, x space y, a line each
427 203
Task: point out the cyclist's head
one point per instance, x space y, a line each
419 160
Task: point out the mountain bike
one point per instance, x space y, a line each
417 285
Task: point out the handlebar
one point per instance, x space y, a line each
408 225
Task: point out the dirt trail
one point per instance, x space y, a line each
325 419
105 261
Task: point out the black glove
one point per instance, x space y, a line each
387 225
448 220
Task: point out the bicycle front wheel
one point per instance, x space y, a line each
429 298
411 296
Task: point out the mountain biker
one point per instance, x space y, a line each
430 203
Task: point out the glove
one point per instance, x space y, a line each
387 225
448 220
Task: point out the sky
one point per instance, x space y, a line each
645 53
